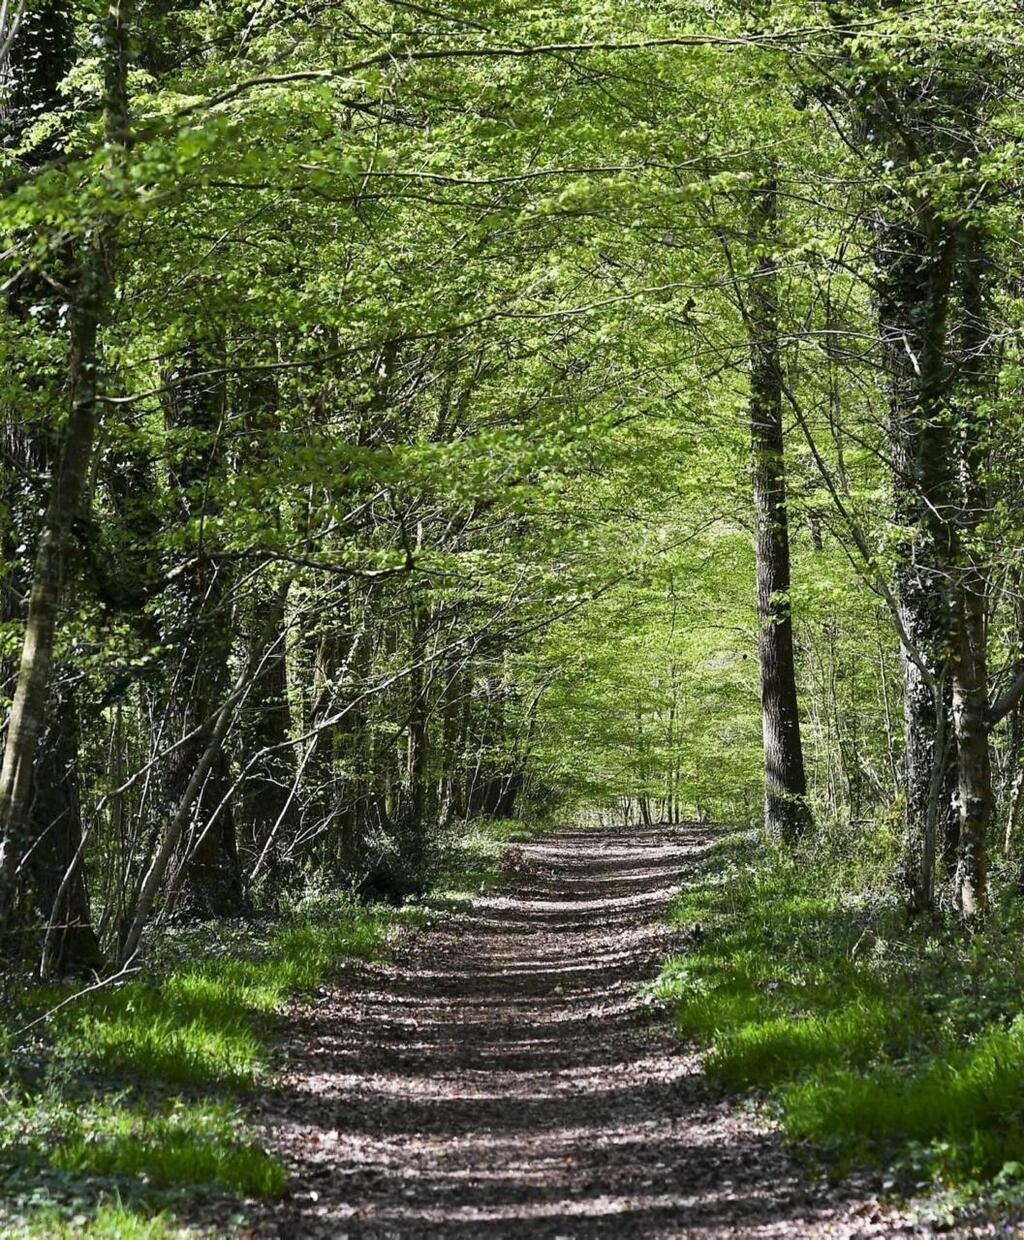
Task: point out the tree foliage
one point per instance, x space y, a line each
379 378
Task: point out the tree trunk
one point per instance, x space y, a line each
93 295
916 266
786 812
354 742
267 811
55 863
28 712
970 667
970 700
416 809
947 812
1012 773
47 895
200 597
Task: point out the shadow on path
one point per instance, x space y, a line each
503 1078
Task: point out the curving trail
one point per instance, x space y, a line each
501 1078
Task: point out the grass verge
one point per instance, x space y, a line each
883 1042
131 1099
471 861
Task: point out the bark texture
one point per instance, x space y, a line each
970 668
916 263
93 292
786 810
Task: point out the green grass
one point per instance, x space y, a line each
166 1144
470 861
137 1093
198 1145
134 1096
204 1024
111 1220
883 1042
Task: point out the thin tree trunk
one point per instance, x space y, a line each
1012 773
414 819
211 883
970 667
142 906
976 798
55 857
266 805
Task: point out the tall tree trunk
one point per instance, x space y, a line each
42 55
28 712
211 877
267 809
1011 791
916 263
946 809
786 812
354 745
970 700
416 808
54 862
89 308
47 895
970 666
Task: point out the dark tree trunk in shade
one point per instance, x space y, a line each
336 771
975 794
1011 784
916 265
947 814
54 863
786 810
356 813
47 895
416 809
28 713
267 808
40 817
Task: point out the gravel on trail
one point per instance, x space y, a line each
503 1076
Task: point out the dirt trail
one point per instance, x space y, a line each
501 1077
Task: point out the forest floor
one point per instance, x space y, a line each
503 1075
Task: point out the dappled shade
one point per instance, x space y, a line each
506 1075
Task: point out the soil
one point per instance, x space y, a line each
504 1076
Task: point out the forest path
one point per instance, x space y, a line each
502 1077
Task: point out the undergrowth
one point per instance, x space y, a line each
885 1042
130 1095
129 1098
470 861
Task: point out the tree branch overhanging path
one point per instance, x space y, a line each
570 453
